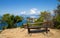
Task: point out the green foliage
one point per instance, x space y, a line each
18 19
11 20
40 19
44 16
4 27
59 0
57 17
57 22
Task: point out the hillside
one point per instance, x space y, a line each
22 33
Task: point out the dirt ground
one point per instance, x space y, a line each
22 33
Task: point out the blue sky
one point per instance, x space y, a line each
26 7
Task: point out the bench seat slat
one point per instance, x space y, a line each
35 27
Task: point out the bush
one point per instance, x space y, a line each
57 23
58 27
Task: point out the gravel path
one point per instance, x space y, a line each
22 33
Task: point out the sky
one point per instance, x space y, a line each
27 7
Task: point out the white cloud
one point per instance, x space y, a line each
18 13
23 12
33 11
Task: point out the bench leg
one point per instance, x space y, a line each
46 30
28 31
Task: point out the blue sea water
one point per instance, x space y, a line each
2 25
18 24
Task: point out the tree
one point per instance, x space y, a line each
44 16
57 17
11 20
57 11
59 0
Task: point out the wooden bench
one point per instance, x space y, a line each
37 27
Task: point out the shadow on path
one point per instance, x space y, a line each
37 31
